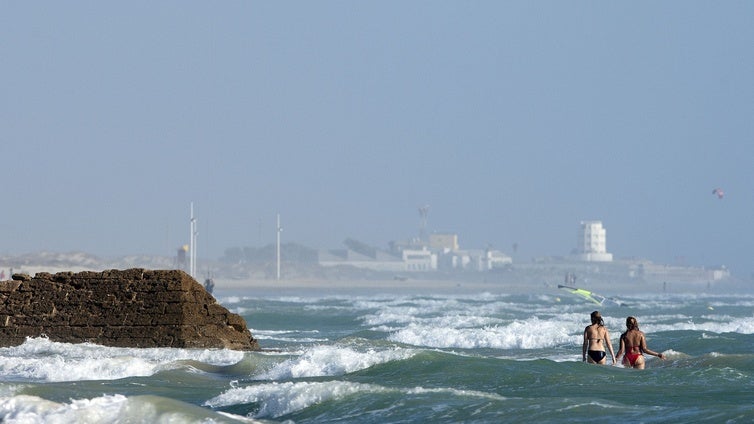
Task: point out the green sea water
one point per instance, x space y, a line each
385 358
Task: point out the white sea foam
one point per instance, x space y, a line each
32 409
529 334
448 319
469 323
24 409
448 312
302 336
460 323
277 399
493 309
331 361
42 360
457 392
230 300
715 324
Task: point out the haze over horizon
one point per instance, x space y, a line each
513 120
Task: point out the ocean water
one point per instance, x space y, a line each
467 357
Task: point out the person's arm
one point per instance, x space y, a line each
646 350
621 347
583 347
609 345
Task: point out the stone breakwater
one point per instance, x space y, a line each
128 308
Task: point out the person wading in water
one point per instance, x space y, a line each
596 338
633 345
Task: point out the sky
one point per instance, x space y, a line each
512 120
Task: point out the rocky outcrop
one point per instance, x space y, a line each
129 308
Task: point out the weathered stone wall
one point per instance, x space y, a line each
130 308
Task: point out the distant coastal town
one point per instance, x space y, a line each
436 256
441 253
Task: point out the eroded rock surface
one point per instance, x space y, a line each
124 308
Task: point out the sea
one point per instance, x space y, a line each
459 356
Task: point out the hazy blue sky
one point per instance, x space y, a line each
512 120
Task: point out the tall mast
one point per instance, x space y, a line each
192 244
278 230
423 212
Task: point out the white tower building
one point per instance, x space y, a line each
592 245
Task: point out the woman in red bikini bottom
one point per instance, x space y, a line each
633 345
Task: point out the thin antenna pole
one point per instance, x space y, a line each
192 244
279 229
423 212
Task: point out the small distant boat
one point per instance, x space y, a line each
593 297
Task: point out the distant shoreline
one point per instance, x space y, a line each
334 287
522 282
270 287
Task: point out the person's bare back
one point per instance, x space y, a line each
633 345
596 338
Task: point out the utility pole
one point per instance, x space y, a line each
192 244
423 212
278 230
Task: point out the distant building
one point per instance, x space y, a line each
592 243
445 242
396 247
378 262
474 260
410 260
419 260
496 259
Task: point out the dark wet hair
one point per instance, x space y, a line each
597 318
632 324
